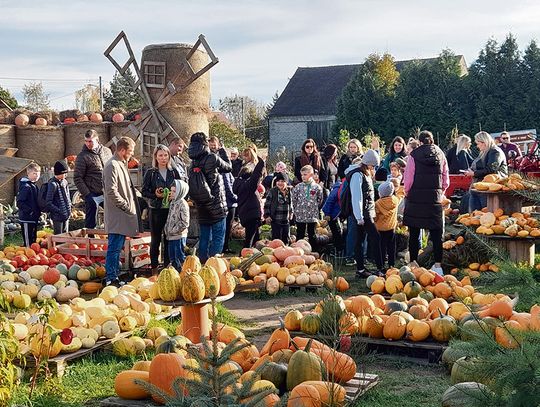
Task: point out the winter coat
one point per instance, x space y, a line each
344 162
392 157
228 181
323 172
362 193
121 208
306 200
278 206
457 162
249 199
423 208
493 162
27 201
88 174
154 180
58 200
211 165
331 205
180 167
386 211
236 166
177 224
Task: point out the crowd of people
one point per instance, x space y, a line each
362 198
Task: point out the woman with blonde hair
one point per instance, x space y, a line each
491 160
157 183
459 156
354 149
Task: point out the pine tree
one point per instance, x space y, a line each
121 95
531 75
7 98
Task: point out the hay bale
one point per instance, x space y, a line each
6 116
43 144
74 135
73 113
186 111
120 130
7 135
108 114
7 192
130 116
52 117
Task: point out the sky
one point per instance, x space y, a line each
259 43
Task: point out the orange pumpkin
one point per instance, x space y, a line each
96 118
164 370
280 339
51 276
378 300
374 327
362 305
125 387
118 117
436 305
342 284
507 335
498 309
69 120
419 311
394 327
40 121
417 330
246 357
304 395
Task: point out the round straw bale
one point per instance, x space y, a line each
120 130
43 144
52 117
7 135
7 192
6 116
74 135
73 113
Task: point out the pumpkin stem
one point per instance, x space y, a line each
281 324
308 346
295 345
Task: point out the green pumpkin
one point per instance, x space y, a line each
406 275
443 328
473 328
175 344
465 369
393 306
412 289
73 270
61 267
450 355
400 297
466 394
167 282
426 295
303 366
310 324
370 280
277 374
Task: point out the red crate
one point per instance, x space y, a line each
462 182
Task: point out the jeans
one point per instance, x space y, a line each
281 232
388 246
230 217
211 239
90 209
477 201
435 236
60 227
115 245
29 232
158 217
367 229
252 232
301 233
351 237
176 252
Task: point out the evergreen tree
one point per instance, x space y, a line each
121 95
7 98
531 74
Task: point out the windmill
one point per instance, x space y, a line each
152 125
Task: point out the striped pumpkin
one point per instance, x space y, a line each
211 281
168 283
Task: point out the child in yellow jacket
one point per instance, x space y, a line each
386 211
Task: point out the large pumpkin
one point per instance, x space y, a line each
247 356
279 339
193 288
310 324
412 289
393 284
168 283
227 283
508 335
330 394
218 263
126 388
164 370
303 366
191 263
443 328
464 370
466 394
374 326
293 320
210 278
304 395
362 305
417 330
394 327
277 374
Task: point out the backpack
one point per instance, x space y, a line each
199 190
42 196
345 197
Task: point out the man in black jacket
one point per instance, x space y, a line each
209 195
88 175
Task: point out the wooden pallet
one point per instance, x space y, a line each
249 287
355 388
313 288
58 364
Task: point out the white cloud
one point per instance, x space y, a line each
260 44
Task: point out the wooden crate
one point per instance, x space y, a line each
82 237
355 388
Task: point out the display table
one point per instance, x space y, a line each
195 321
519 249
507 201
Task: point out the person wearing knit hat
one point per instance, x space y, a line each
386 212
362 205
58 202
281 176
278 209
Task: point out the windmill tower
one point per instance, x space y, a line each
174 83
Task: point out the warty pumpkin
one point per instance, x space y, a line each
193 288
168 283
210 278
191 263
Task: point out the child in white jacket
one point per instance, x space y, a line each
176 227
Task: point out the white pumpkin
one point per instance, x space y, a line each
51 289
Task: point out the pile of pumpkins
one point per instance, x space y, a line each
496 183
298 366
497 223
420 282
195 281
39 282
114 311
278 265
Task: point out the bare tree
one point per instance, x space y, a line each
35 97
87 98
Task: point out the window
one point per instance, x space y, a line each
154 74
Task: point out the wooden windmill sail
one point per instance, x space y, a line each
153 123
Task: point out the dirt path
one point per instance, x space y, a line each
262 315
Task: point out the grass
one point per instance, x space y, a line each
13 239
